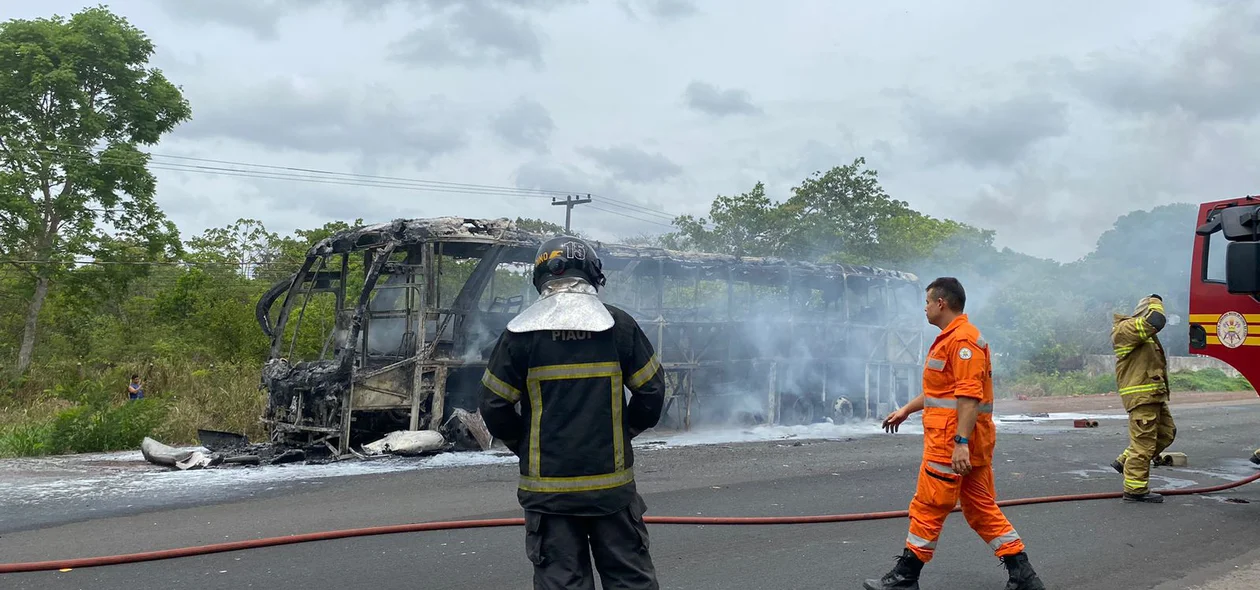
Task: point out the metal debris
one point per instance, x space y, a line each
160 454
407 442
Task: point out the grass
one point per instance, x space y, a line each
84 413
1080 383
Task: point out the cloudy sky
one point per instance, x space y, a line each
1043 121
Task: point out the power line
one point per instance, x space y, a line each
530 192
318 176
540 192
630 216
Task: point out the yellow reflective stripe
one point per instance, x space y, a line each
646 373
581 483
533 381
535 424
1122 351
1135 484
619 442
573 371
500 388
1140 324
1156 306
1148 387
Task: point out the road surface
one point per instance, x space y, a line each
1205 542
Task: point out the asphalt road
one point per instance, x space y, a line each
1187 542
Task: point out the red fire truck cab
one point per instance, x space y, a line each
1224 314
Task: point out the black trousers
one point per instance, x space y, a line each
561 548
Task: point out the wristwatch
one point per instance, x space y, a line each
960 440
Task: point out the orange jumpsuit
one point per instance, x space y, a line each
958 365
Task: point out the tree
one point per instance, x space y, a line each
1144 252
841 210
240 247
531 224
743 225
75 101
842 215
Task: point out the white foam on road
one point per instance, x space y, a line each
117 476
73 478
1054 417
819 431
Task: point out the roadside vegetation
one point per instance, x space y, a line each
96 284
1081 383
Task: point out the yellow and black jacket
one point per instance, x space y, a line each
1141 367
573 432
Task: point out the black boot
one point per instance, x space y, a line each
1022 575
1255 457
904 575
1148 497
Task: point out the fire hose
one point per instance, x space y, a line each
67 564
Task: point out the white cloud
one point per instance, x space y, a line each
1030 119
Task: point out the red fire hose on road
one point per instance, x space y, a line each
67 564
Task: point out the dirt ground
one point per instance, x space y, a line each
1111 402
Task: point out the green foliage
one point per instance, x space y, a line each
75 102
1039 384
1208 380
28 439
544 227
1034 384
92 414
98 419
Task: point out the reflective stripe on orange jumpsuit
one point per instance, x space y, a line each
958 365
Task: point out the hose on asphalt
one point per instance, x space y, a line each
68 564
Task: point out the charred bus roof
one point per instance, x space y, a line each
469 238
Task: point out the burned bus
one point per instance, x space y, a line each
388 327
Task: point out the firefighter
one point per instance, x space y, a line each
1142 381
958 440
567 360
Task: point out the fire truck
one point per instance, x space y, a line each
1224 314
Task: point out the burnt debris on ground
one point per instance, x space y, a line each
228 449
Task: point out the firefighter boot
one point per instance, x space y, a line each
904 575
1022 576
1148 497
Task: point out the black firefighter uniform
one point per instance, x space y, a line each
1142 382
572 436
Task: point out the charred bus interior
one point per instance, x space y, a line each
388 328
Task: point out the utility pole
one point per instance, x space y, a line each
569 203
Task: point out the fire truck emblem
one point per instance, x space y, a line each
1232 329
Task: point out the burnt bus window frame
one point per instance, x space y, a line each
822 353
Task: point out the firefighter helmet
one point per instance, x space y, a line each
567 256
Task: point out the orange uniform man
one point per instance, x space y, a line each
958 440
